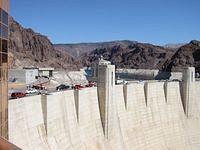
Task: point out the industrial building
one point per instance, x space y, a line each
29 75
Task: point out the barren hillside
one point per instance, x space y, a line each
30 48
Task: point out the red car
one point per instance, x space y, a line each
18 95
78 87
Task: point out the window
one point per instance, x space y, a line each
0 14
50 73
4 51
0 52
4 17
0 30
4 31
4 58
0 58
5 46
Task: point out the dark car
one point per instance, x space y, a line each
38 87
18 95
91 84
62 87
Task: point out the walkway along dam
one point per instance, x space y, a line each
148 115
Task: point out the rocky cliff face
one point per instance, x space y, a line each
138 55
187 55
28 48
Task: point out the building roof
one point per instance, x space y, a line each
38 68
45 69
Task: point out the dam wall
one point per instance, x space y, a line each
26 123
147 116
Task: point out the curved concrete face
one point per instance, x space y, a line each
61 121
145 116
26 124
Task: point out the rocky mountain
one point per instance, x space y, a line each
187 55
137 55
28 48
76 50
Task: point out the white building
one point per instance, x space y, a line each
29 75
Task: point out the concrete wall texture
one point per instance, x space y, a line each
146 116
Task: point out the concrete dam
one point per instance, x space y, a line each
150 115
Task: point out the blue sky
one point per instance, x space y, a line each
74 21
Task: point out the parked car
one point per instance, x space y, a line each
62 87
38 87
91 84
78 87
18 95
32 91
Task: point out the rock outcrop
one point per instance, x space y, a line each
187 55
30 48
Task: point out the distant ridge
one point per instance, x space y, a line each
174 46
136 55
76 50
